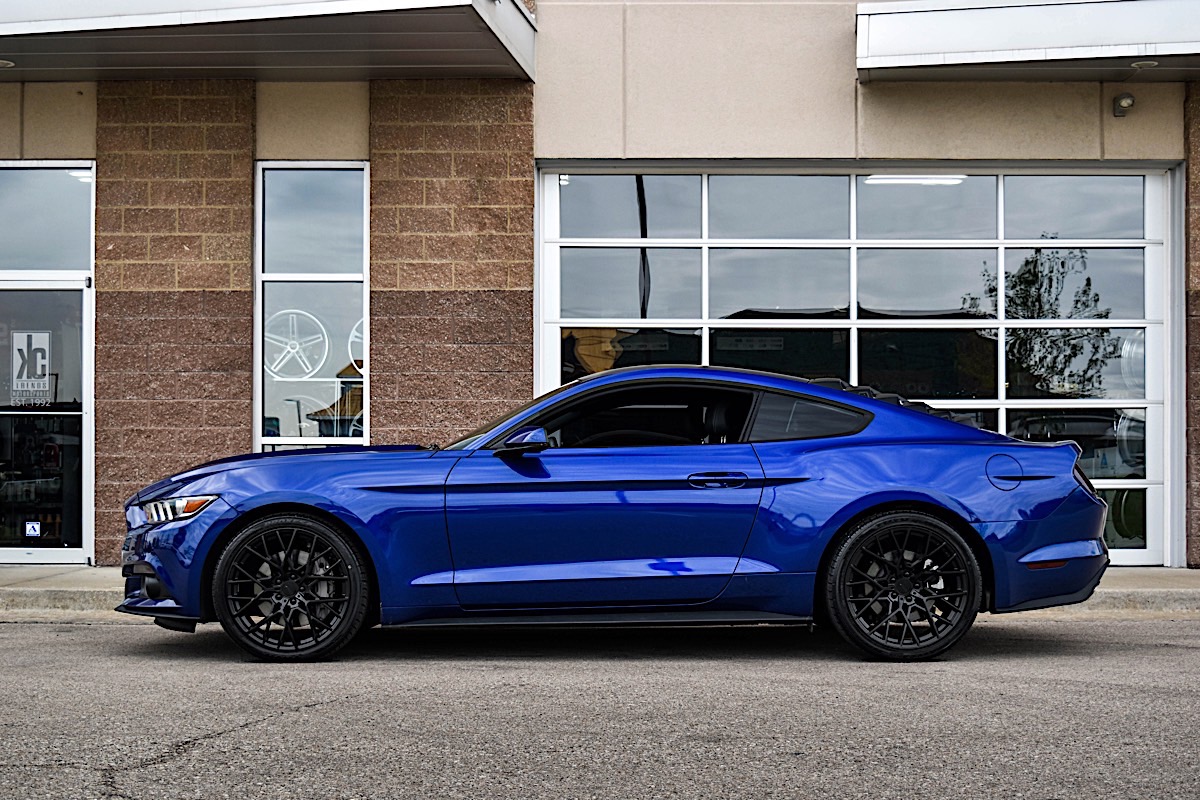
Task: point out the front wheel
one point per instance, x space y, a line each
903 586
290 588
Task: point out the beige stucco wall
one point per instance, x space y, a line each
47 120
313 121
776 79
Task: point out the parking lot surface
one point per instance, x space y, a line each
1026 707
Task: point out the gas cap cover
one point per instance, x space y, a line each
1004 472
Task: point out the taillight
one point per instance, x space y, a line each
1083 481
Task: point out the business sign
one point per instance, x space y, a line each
31 368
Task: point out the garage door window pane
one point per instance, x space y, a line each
1074 207
1125 525
1113 439
629 206
929 363
589 350
926 207
804 353
927 283
779 206
630 283
769 283
1076 362
1074 283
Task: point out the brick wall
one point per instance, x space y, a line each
174 205
1192 236
451 255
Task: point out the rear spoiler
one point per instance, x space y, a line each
896 400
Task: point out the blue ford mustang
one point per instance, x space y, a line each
660 495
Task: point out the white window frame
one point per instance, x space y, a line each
1165 398
83 281
262 278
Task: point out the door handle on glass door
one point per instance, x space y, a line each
718 480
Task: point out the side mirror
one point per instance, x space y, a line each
525 440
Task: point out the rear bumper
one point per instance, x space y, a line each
1095 565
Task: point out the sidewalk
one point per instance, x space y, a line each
59 588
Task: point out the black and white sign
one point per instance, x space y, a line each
31 368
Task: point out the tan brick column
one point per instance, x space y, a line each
451 255
174 209
1192 235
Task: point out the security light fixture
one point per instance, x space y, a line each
915 180
1122 103
1144 64
5 63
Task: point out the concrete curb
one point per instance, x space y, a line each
17 599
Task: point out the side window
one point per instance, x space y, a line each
782 416
651 417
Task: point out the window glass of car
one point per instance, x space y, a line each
652 416
783 416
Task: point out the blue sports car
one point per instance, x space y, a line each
650 495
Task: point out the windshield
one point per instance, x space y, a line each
473 438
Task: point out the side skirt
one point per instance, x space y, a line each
662 618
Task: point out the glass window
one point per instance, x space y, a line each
41 349
926 207
650 417
1113 439
588 350
922 283
779 206
47 216
1125 525
809 353
313 331
987 419
1074 206
1074 283
782 416
41 480
766 283
313 220
630 283
1076 362
629 206
929 363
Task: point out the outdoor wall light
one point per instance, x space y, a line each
1122 103
5 63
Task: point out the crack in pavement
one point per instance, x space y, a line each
108 775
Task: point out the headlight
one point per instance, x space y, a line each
176 508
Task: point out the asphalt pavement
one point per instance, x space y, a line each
1027 706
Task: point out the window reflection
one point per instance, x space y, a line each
1074 283
1073 206
962 209
804 353
1113 439
313 220
629 282
41 350
987 419
47 216
629 206
931 363
41 481
1076 362
947 284
779 206
589 350
774 283
1125 525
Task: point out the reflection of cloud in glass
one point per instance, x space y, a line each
607 206
313 220
778 206
925 283
965 210
1073 207
758 283
606 282
47 217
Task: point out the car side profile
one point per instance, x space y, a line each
648 495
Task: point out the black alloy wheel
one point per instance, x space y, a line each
290 588
903 586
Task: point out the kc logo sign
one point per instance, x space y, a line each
30 367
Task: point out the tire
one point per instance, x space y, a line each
903 586
291 588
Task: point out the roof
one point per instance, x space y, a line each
325 40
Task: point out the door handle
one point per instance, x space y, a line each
718 480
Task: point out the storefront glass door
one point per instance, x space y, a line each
45 422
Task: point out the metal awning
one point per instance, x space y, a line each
1029 40
323 40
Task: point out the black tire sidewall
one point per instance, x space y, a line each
358 588
838 608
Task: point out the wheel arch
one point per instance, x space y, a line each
207 611
971 536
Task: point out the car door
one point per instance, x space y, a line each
648 499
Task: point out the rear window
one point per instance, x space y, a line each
782 416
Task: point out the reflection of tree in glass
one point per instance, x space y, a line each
1040 358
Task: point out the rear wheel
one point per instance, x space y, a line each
290 588
903 586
